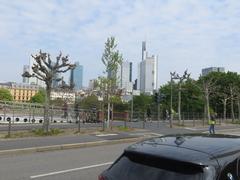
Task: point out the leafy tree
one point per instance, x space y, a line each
5 95
191 97
192 100
142 102
39 97
89 102
111 59
118 104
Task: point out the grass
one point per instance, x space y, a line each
61 132
33 133
51 132
122 128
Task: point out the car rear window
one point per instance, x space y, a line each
134 166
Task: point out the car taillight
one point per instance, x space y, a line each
101 177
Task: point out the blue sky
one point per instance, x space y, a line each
185 34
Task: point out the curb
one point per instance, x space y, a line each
68 146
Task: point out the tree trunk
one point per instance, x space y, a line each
108 115
238 109
224 110
112 117
232 108
207 104
46 109
179 104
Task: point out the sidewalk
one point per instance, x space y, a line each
36 144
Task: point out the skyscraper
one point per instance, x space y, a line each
147 72
25 69
76 76
124 76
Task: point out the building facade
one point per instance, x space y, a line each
21 92
205 71
124 77
26 68
147 72
76 76
67 96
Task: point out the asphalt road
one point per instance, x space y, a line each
84 163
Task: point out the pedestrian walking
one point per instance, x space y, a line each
212 123
149 114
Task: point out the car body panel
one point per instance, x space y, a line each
213 153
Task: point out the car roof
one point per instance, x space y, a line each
194 148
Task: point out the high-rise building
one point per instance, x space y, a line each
34 80
147 72
205 71
92 84
76 76
25 69
124 76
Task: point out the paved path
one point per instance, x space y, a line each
151 129
7 144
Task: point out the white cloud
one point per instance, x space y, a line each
185 34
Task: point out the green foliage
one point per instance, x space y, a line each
58 102
39 97
111 57
122 128
52 132
5 95
89 102
141 102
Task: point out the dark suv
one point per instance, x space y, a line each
179 157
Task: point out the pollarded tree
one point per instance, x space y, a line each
208 86
45 70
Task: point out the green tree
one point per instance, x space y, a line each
89 102
192 101
5 95
39 97
142 102
111 59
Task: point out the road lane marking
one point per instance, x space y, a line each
70 170
103 135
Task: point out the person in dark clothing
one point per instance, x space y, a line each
65 110
149 114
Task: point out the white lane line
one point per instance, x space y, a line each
103 135
195 129
70 170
